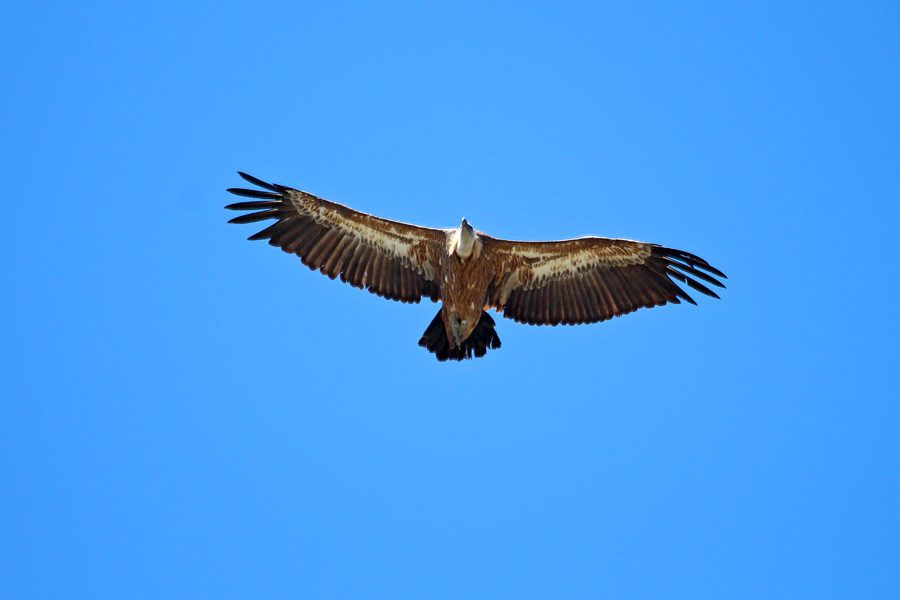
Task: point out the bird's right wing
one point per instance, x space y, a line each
591 279
391 259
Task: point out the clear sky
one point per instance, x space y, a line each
186 414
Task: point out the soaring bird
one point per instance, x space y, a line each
583 280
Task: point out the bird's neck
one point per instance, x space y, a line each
465 242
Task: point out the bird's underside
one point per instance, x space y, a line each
570 282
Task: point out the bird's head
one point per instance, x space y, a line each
465 240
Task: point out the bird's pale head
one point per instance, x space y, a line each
465 240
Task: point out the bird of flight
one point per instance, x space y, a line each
568 282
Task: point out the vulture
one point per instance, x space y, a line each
570 282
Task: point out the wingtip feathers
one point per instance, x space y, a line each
269 186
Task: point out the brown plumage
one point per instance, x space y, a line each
568 282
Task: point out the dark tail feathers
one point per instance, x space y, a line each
484 337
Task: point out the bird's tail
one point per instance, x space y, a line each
482 338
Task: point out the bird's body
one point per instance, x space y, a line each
584 280
465 278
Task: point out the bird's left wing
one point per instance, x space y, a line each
590 279
388 258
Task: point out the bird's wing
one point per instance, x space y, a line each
590 279
390 259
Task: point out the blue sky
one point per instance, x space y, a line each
190 415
